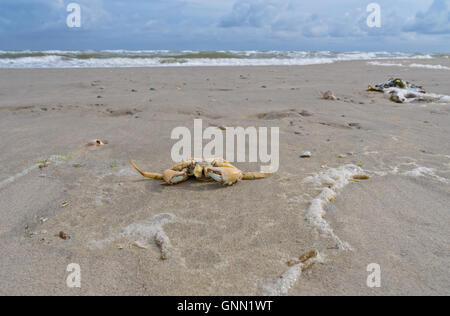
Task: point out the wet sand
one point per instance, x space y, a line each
222 240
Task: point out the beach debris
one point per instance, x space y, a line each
223 128
329 95
97 142
77 165
64 204
119 247
306 154
45 164
306 258
133 90
361 177
401 91
264 86
216 169
342 156
395 83
63 235
152 89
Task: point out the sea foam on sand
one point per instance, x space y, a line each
331 182
423 66
285 282
144 231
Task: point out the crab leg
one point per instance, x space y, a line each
170 176
254 175
156 176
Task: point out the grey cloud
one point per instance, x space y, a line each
436 20
289 17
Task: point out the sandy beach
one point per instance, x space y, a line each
220 240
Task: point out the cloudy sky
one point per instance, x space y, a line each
338 25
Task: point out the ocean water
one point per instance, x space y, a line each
165 58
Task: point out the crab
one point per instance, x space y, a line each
217 169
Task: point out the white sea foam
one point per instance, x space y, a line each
377 63
285 282
331 182
13 178
424 172
144 231
165 58
424 66
55 159
439 67
412 169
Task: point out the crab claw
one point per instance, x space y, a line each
225 175
175 177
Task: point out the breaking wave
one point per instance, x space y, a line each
166 58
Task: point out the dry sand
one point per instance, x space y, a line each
221 240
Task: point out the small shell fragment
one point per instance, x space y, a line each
329 95
96 142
